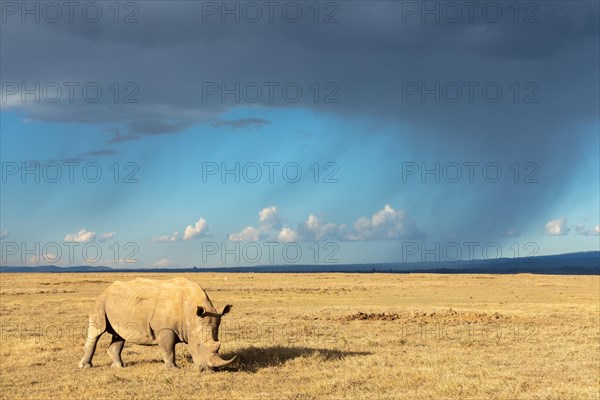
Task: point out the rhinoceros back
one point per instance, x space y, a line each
137 310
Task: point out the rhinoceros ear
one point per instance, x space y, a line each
226 309
200 311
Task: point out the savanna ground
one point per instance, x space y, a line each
313 336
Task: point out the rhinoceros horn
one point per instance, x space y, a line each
217 362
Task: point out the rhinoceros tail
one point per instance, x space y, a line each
98 319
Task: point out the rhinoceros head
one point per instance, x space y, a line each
204 346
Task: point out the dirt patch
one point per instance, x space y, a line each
83 281
425 317
34 291
331 291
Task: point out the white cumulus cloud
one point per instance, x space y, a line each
314 229
107 236
191 232
561 227
248 234
387 224
288 235
269 222
581 230
80 237
198 230
165 263
557 227
269 217
168 238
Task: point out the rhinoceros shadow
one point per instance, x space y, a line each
252 359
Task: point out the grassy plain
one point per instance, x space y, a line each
314 336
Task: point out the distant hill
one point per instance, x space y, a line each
54 268
583 263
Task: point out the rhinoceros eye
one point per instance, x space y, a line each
200 311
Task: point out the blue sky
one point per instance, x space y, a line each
371 209
170 193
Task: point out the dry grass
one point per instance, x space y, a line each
320 336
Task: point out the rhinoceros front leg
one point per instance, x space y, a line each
115 349
166 341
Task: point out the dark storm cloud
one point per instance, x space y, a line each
172 57
157 127
81 157
37 162
119 137
123 138
242 123
177 68
100 153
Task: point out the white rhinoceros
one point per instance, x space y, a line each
163 313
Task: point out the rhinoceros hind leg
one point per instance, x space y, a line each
166 341
96 328
115 349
